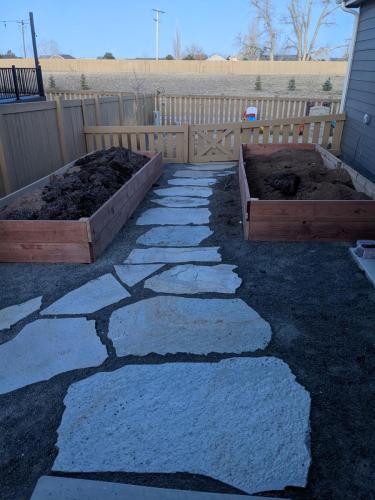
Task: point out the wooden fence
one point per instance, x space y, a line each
196 110
218 142
39 137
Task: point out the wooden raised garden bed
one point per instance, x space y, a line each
74 241
296 220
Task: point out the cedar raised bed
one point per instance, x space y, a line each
74 241
298 220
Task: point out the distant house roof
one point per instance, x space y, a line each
57 56
216 57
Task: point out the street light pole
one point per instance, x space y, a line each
157 21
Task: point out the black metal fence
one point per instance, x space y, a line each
16 83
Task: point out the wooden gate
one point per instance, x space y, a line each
209 143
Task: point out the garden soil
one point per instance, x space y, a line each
291 174
81 190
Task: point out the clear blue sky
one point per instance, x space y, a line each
89 28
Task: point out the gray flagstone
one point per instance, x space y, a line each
168 324
181 201
47 347
202 192
69 488
242 421
9 316
132 274
175 236
195 174
211 167
192 182
191 279
174 216
173 255
90 297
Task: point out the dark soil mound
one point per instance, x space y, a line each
291 174
82 189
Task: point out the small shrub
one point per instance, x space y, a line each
327 85
169 57
51 83
84 85
292 84
258 83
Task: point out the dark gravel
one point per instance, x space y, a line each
322 312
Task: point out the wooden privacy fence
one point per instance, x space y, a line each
218 142
196 110
39 137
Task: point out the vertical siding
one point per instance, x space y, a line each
358 142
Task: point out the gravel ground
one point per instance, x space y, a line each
190 84
320 307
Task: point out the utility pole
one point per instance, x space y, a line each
22 25
157 21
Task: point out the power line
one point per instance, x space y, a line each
157 21
22 25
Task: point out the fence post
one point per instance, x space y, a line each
121 108
15 82
186 142
60 127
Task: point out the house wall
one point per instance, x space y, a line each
358 142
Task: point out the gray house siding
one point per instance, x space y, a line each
358 142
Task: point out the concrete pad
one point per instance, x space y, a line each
192 279
68 488
202 192
175 236
192 182
47 347
174 216
9 316
168 324
90 297
242 421
193 174
173 255
181 201
131 275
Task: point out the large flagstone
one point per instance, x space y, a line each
168 324
174 216
195 174
69 488
242 421
181 201
175 236
90 297
196 191
211 167
191 279
192 182
9 316
173 255
47 347
133 274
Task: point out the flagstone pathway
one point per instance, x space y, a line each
243 420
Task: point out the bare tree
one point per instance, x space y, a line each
195 52
265 13
249 44
305 28
177 45
48 48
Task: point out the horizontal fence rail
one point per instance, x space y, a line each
196 110
171 141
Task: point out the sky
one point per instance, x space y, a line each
88 28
